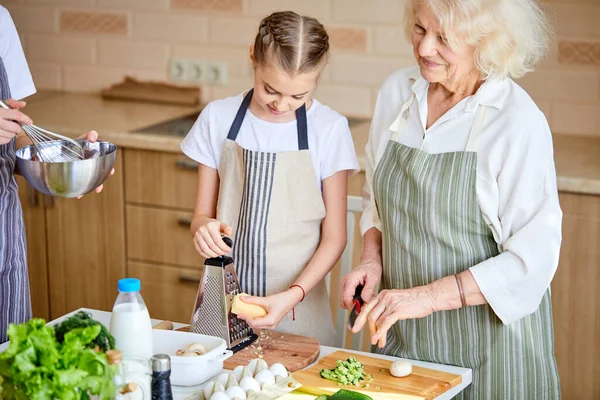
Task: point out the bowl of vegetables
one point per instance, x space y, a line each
72 360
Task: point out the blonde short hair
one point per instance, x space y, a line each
510 36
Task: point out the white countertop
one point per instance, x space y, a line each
180 393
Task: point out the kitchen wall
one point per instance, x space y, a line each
86 45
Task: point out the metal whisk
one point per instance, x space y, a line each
50 146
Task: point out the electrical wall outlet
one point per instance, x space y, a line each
208 72
178 69
217 72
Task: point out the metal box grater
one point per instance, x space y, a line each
212 311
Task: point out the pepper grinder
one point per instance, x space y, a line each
161 377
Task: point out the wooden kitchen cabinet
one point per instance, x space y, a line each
161 236
76 248
169 292
576 298
34 216
160 179
160 192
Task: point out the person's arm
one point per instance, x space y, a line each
367 273
205 228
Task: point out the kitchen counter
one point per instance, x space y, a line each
181 393
577 157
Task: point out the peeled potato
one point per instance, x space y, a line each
251 310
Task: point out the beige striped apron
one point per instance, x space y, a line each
433 227
274 204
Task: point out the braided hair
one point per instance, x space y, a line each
296 43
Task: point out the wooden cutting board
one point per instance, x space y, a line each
293 351
423 383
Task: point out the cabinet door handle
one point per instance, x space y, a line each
185 222
187 165
32 197
189 279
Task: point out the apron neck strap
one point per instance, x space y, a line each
300 122
473 141
302 128
239 117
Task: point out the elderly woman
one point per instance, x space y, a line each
462 225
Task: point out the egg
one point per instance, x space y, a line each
252 365
208 389
265 378
219 396
223 379
279 370
237 372
236 392
249 383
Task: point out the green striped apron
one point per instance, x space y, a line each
433 227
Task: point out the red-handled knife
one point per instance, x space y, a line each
358 303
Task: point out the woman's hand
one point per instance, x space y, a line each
277 306
367 274
208 238
391 306
92 136
9 119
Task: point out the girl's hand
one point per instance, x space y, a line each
277 306
391 306
367 274
9 127
208 241
92 136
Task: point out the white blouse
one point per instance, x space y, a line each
19 78
516 180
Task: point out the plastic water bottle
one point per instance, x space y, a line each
130 322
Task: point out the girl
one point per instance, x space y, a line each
274 165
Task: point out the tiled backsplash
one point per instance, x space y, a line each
86 45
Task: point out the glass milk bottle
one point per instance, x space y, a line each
130 321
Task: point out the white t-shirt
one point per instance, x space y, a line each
516 180
19 78
329 138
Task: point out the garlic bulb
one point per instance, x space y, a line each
400 368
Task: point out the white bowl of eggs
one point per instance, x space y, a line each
248 381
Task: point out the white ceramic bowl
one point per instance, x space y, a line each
191 371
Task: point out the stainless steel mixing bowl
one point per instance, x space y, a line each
72 178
